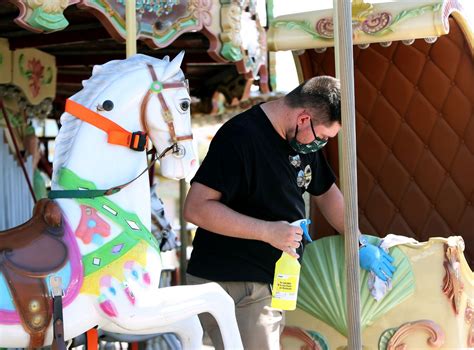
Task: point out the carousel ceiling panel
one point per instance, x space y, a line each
233 28
415 132
85 42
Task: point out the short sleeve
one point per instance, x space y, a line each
223 167
323 177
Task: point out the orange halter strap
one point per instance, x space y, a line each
138 140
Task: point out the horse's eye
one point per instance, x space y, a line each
184 106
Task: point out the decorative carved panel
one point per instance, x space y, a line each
35 73
42 15
243 39
159 22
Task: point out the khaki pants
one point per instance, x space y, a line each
260 325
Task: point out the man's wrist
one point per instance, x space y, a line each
262 231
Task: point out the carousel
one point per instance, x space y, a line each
120 78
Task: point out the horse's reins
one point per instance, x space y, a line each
137 141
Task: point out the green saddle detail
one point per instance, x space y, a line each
124 242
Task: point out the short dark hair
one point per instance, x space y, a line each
321 96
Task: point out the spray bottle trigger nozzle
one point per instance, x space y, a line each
304 226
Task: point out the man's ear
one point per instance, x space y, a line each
303 118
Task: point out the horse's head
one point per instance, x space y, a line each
166 117
128 101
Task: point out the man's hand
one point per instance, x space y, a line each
283 236
373 258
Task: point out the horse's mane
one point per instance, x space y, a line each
102 77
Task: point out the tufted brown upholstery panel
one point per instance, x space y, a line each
415 137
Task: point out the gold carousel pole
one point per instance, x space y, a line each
345 62
131 27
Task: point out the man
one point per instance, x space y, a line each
247 191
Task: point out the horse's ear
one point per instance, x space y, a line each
173 67
96 69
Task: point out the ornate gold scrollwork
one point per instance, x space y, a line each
452 283
435 332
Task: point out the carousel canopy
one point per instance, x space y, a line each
372 22
224 41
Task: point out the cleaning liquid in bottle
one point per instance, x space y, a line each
287 275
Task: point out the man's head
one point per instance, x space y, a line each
320 96
317 108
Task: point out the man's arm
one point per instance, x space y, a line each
372 258
203 208
331 204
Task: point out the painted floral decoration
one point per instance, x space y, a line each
34 73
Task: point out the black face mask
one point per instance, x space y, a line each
311 147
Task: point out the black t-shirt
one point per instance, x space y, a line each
258 175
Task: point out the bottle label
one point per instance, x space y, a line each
285 287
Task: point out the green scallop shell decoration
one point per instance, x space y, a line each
322 289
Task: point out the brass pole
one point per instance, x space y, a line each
131 27
345 61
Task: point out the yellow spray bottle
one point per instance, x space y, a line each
287 275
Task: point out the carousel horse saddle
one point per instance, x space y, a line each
28 254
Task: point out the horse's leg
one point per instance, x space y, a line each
175 304
189 332
220 305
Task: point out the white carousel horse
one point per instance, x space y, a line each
112 272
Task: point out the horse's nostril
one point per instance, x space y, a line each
193 162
